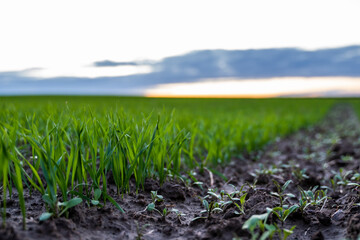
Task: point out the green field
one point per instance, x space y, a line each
66 147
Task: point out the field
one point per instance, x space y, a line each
144 168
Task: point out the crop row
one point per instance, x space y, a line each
66 148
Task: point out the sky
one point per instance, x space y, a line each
64 38
261 88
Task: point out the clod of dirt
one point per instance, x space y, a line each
338 216
353 228
317 236
8 233
259 201
10 202
224 229
77 214
230 213
167 230
309 217
324 218
172 191
311 181
49 228
343 148
151 185
263 179
66 224
196 222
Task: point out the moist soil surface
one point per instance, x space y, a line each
310 157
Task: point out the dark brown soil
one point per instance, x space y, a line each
321 150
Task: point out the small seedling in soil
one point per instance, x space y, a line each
252 185
333 184
237 192
303 204
272 170
355 177
163 213
212 194
356 187
333 140
259 221
296 171
342 177
156 197
284 233
209 209
94 201
191 175
347 158
236 197
313 197
280 192
240 207
140 230
62 206
97 195
178 214
267 231
199 184
151 206
282 213
299 174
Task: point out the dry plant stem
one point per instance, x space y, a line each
211 177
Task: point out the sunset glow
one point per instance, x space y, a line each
255 88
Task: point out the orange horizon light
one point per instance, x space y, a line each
259 88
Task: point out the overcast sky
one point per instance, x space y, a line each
63 37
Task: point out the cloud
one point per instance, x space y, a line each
108 63
197 66
264 63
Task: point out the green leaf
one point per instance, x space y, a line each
275 194
242 199
45 216
47 199
150 207
213 194
217 209
95 202
287 232
252 222
198 183
197 218
277 184
20 189
73 202
115 203
206 205
290 195
69 204
265 235
286 185
97 194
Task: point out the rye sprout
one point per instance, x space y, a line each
280 192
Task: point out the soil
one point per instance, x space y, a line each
321 150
